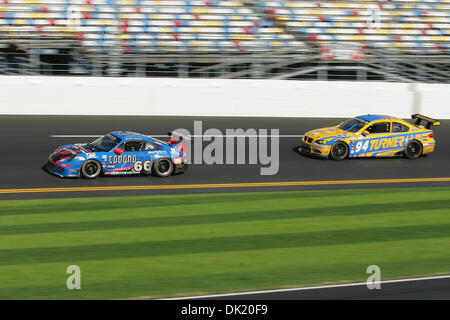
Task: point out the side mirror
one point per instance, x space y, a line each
118 151
365 133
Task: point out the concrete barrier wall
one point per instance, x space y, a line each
218 97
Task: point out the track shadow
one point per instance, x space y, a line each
295 150
44 169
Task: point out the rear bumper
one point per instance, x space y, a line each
181 168
428 147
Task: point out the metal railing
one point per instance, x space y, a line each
380 66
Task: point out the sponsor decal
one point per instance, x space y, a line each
114 172
122 159
387 143
392 142
366 145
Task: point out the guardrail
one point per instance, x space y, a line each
373 66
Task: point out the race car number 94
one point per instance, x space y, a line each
139 166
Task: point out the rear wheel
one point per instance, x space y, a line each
163 167
339 151
91 169
413 149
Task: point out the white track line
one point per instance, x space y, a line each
74 136
192 136
308 288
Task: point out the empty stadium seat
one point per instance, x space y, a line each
230 26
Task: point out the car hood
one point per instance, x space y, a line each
327 133
69 152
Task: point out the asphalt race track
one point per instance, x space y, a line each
433 288
27 142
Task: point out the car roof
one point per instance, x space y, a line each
127 135
374 117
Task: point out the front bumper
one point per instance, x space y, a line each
61 171
314 149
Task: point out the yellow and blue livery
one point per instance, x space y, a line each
372 136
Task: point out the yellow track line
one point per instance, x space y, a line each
224 185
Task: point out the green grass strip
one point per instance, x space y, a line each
186 244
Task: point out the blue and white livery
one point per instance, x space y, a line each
118 153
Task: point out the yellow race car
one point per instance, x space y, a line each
372 136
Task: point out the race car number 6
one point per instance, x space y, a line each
138 165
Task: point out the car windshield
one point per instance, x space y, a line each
353 125
105 143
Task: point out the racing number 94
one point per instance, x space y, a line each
362 145
145 166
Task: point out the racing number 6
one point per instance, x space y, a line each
146 166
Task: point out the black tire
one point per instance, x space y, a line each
91 169
339 151
413 149
163 167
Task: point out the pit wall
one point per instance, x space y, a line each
32 95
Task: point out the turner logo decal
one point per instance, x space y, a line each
387 143
391 142
377 144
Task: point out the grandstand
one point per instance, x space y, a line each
403 40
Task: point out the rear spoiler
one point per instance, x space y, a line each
428 121
175 138
178 141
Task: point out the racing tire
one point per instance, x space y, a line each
339 151
91 169
413 149
163 167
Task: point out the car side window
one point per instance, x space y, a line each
380 127
131 146
150 146
398 127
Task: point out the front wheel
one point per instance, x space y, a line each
413 149
91 169
339 151
163 167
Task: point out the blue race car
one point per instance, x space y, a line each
119 153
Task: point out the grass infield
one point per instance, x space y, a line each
161 246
